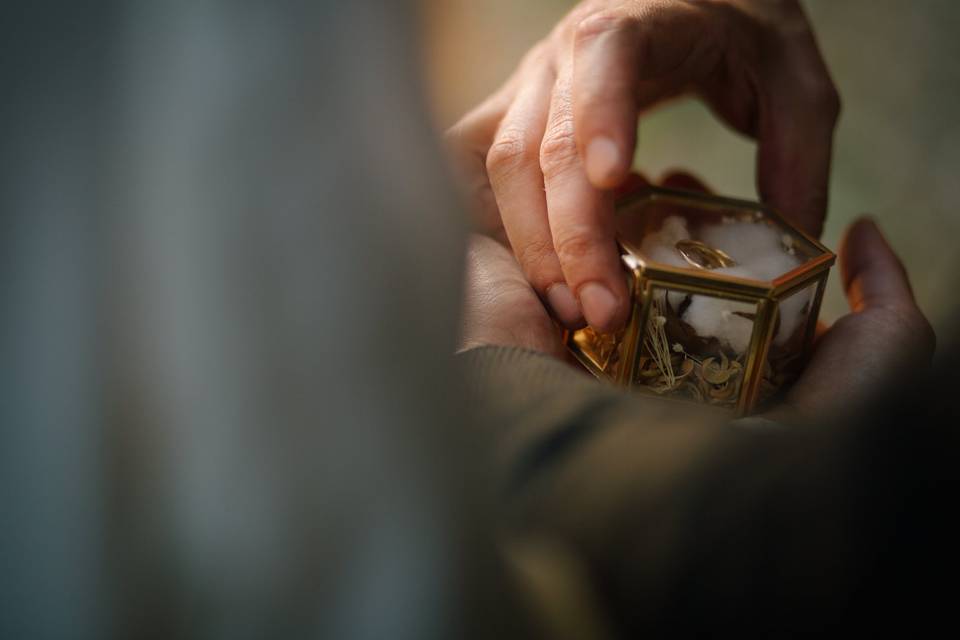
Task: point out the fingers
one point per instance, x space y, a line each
773 84
468 141
761 73
581 219
500 307
757 66
873 275
605 109
795 134
513 164
793 163
625 58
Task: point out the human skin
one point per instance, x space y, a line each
884 333
544 152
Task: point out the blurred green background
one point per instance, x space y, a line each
897 150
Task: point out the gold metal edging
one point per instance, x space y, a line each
638 324
825 260
650 277
814 318
759 345
798 278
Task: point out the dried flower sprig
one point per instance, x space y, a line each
657 344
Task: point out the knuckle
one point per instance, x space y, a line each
558 151
508 152
575 245
600 23
532 254
565 30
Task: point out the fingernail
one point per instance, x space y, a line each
602 161
600 306
564 305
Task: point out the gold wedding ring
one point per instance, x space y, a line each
701 256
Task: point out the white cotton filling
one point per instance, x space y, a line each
661 246
715 317
792 315
742 240
760 255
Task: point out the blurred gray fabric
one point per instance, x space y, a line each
230 265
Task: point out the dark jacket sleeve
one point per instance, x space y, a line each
688 523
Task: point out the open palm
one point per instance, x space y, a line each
885 332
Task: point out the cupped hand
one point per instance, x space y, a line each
543 153
884 335
500 308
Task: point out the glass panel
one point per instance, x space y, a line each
788 345
695 346
698 232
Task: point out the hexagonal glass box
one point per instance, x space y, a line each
726 295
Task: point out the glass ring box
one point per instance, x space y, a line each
725 299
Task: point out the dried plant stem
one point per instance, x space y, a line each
657 344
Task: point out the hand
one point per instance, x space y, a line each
544 151
500 307
885 335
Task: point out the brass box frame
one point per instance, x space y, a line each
646 276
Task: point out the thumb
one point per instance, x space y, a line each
873 275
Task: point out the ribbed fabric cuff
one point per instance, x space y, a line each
528 399
521 373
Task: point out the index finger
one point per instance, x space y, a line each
581 219
620 55
764 78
